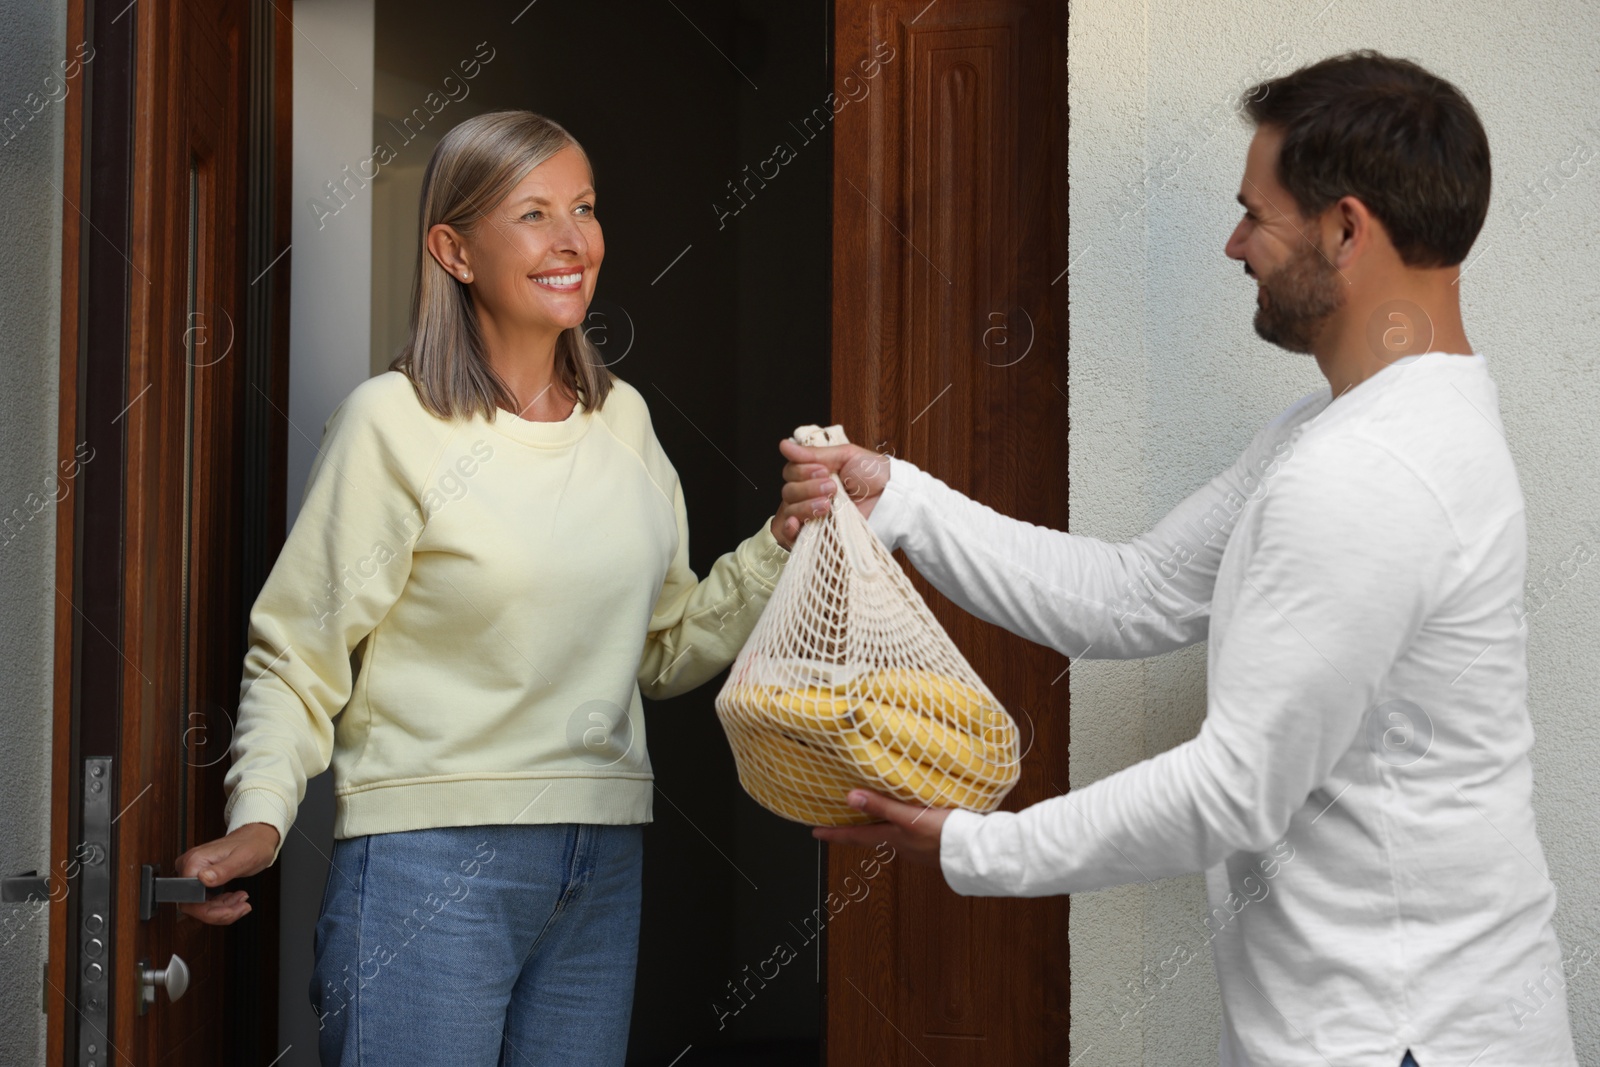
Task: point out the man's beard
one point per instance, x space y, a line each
1300 297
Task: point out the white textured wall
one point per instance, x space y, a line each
32 36
1169 382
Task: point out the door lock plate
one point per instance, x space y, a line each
94 916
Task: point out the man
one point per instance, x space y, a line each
1359 794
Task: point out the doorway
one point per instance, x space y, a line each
714 303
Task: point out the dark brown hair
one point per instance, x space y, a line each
1403 141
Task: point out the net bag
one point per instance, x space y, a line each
849 681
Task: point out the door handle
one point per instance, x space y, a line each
153 891
22 888
174 977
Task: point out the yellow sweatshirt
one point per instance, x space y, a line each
465 613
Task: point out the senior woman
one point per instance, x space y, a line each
490 564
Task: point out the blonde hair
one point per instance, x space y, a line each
474 168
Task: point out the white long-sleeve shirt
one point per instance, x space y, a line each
1359 794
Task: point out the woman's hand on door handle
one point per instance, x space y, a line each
246 851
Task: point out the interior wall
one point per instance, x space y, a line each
1169 382
33 88
329 345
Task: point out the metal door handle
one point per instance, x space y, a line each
153 891
174 976
23 888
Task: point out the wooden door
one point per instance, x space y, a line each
171 359
949 350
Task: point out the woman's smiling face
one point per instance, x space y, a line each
535 257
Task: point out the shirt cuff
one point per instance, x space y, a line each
763 556
956 842
259 804
891 515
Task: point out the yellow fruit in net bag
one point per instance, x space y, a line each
811 712
930 741
849 681
954 700
776 772
904 775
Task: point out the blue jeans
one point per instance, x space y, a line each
476 946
